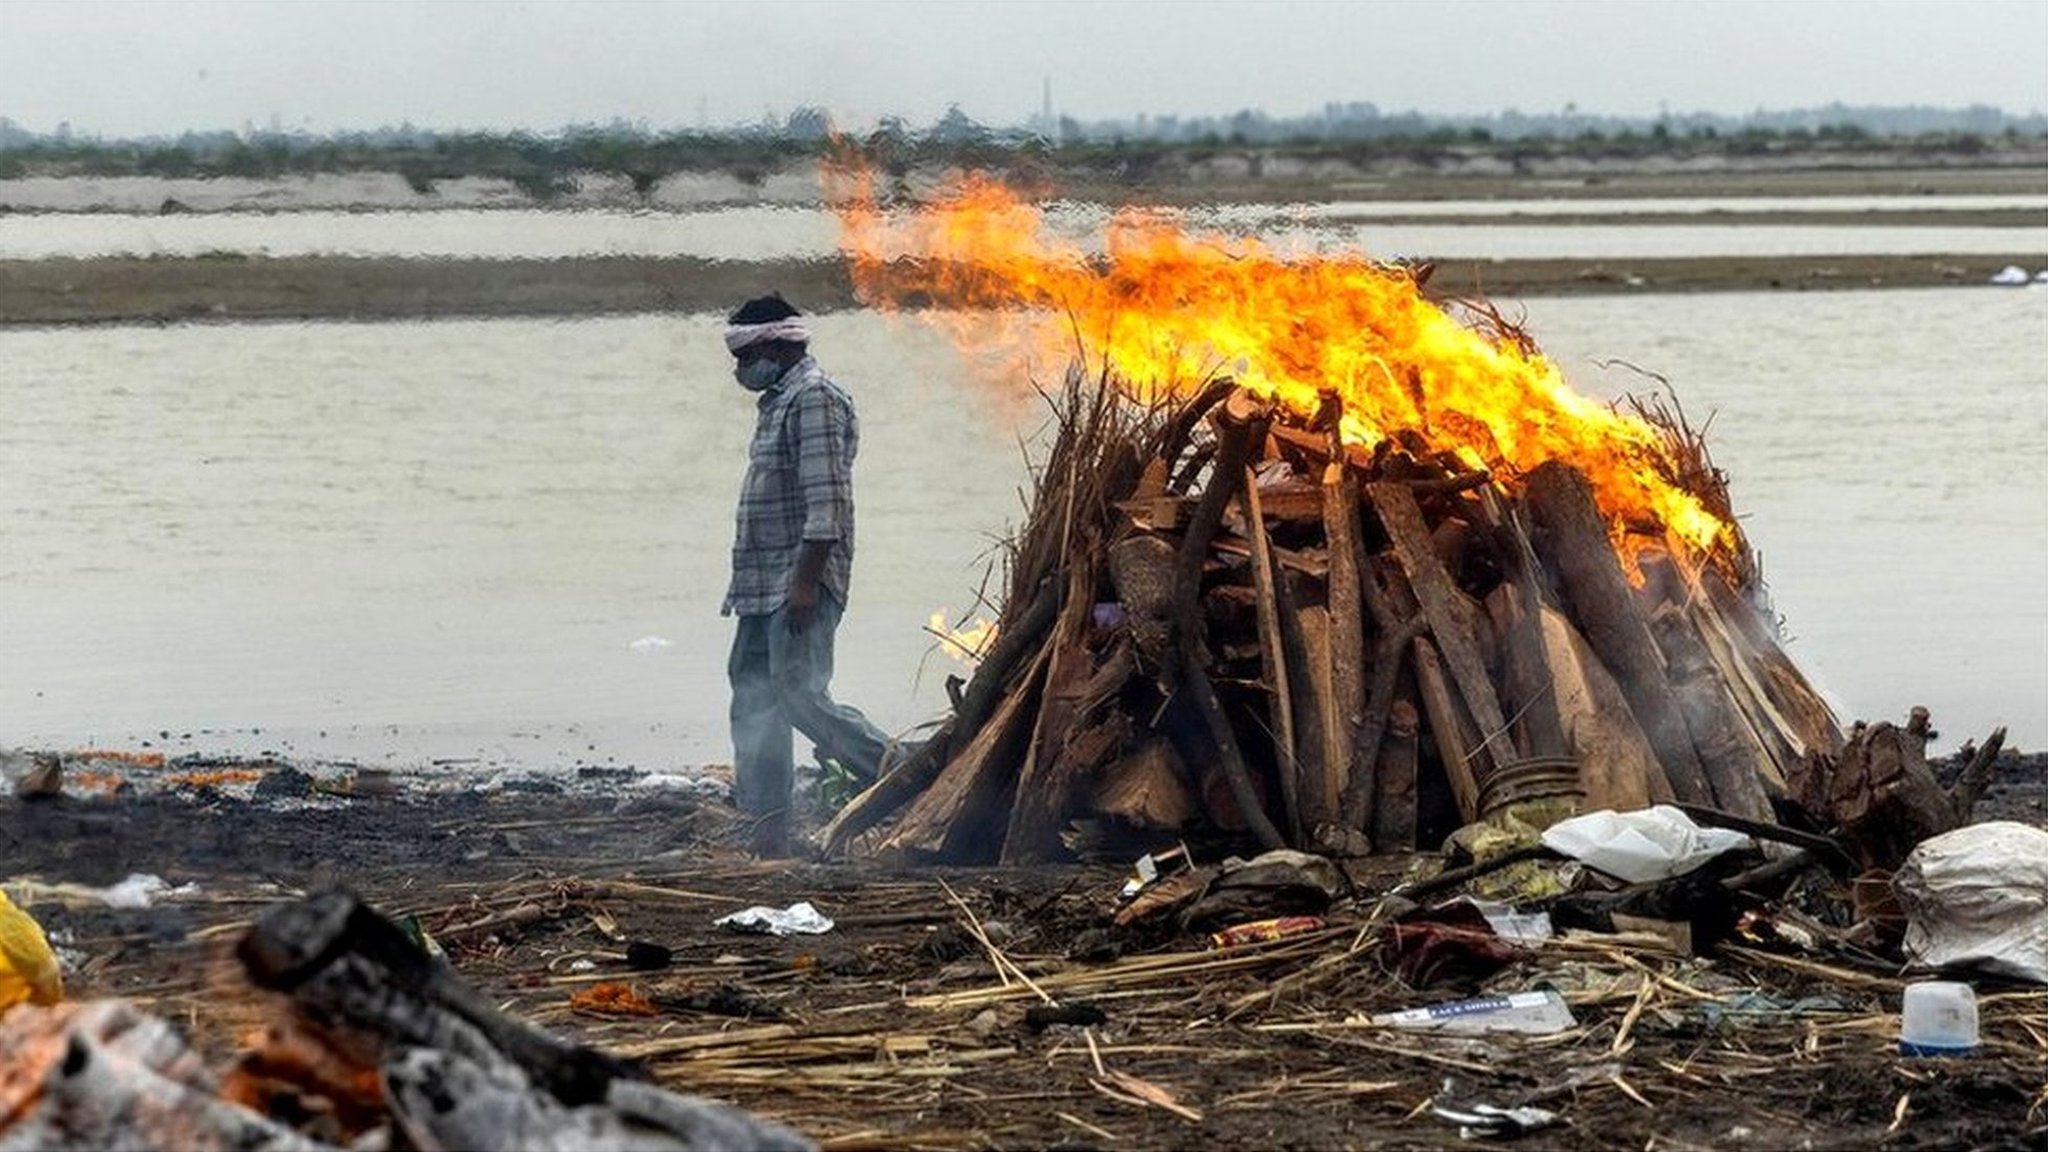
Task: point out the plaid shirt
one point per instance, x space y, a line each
799 486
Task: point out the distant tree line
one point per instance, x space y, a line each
546 164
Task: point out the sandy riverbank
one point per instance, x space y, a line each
129 290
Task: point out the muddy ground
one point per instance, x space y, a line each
896 1030
223 289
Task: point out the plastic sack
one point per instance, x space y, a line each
1640 847
1978 896
28 969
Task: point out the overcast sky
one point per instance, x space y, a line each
123 68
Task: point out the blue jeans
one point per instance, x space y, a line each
781 681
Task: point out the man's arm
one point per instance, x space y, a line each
825 479
806 584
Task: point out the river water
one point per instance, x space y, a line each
504 541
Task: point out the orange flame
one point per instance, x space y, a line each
967 643
1162 309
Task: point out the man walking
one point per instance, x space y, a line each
792 560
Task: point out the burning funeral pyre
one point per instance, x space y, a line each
1312 561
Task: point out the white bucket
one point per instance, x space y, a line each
1938 1018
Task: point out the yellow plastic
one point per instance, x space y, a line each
28 969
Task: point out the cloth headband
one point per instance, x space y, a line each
743 335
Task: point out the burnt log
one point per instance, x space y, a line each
457 1072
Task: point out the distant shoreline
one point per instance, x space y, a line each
123 290
1180 176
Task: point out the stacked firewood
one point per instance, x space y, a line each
1224 620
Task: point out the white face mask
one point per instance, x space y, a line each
757 375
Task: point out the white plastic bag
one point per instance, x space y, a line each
797 919
1639 847
1979 896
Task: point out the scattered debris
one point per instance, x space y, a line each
642 956
1536 1013
1265 931
612 998
1489 1120
797 919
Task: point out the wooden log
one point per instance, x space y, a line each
957 817
1976 776
1343 766
1528 690
1795 698
1784 750
1013 644
1396 630
1618 767
1882 794
1292 502
1306 691
1318 805
1393 812
1300 561
1273 661
1146 789
1729 749
1525 675
1456 743
1041 804
1236 433
1453 621
1072 738
1573 540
